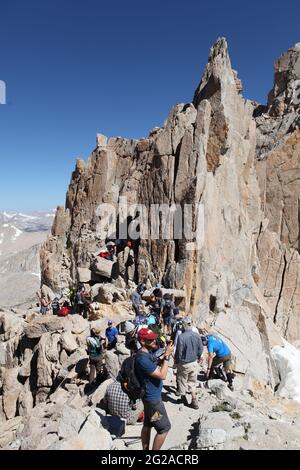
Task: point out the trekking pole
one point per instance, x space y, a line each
67 377
134 441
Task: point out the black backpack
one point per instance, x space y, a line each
129 381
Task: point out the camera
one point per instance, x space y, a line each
159 352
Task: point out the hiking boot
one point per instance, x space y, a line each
184 400
194 405
230 386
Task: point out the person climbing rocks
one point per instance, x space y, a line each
187 356
218 353
151 376
167 313
136 298
155 305
95 349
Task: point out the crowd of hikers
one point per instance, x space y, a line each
159 333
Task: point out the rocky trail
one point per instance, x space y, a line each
46 403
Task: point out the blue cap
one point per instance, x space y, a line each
109 322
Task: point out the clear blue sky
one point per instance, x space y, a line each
77 67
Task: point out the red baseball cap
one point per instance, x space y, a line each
146 333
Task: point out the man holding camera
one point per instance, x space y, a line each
151 376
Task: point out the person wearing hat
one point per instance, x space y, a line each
187 356
95 348
151 376
111 334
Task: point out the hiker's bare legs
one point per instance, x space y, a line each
159 440
146 433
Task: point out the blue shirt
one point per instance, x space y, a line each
146 364
111 334
217 346
136 298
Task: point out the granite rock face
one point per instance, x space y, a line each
278 171
240 162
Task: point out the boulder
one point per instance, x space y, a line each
211 438
99 393
112 364
11 325
68 342
43 324
11 392
102 267
25 403
84 275
70 422
8 430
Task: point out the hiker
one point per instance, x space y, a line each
109 252
187 356
151 376
155 304
44 300
111 334
218 353
131 330
167 313
95 348
178 329
176 322
117 403
94 311
80 300
157 292
136 298
55 305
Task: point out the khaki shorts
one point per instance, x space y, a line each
226 360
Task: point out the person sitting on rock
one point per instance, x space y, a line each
111 334
65 309
218 353
95 349
55 305
117 403
109 252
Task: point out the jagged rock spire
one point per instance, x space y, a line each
285 94
218 72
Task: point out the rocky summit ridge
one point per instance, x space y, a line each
240 161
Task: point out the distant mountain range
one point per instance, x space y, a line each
20 238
